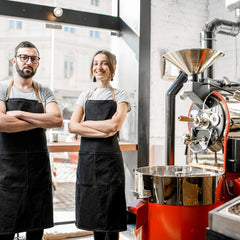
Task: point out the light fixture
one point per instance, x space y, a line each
57 12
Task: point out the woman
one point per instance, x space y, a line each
100 186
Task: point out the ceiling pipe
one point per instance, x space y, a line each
222 26
208 35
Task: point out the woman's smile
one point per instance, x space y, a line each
100 67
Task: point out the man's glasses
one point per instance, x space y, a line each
24 58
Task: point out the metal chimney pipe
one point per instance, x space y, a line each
170 116
222 26
207 36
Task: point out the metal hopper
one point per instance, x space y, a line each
193 61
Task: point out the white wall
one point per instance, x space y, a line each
176 25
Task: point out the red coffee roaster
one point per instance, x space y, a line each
173 202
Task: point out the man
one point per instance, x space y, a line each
26 110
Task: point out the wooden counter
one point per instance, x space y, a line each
74 146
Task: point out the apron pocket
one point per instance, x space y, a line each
39 171
109 168
13 172
100 169
85 169
9 206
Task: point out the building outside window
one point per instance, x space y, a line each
65 61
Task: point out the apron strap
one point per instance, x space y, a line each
9 89
34 84
36 91
88 96
84 106
91 93
113 94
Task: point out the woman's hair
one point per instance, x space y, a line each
112 61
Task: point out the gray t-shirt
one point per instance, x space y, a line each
46 95
104 94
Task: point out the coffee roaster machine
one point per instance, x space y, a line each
173 202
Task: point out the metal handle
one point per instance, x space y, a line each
185 119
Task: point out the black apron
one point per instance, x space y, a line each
25 175
100 185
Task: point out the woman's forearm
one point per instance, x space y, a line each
85 131
107 126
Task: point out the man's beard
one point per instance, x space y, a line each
26 74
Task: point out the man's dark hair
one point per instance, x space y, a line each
25 44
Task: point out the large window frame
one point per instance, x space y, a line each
140 44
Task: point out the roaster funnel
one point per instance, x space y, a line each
193 61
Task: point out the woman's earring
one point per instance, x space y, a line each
94 79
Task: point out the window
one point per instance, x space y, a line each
13 24
95 2
94 34
69 29
91 33
66 56
68 69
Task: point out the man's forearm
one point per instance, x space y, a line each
42 120
9 124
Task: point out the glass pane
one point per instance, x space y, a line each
65 56
107 7
64 67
